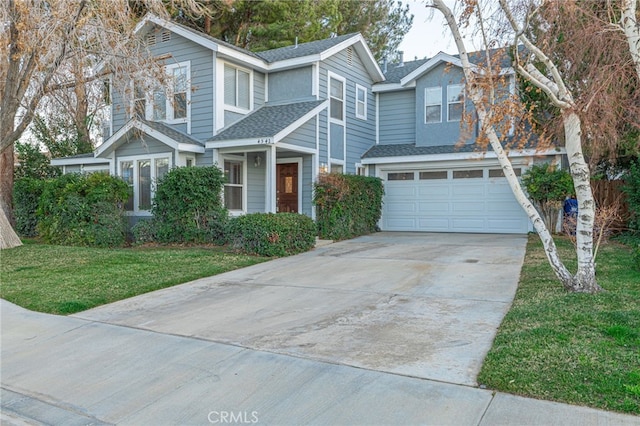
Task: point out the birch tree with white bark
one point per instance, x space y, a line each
550 82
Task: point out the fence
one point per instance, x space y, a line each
608 193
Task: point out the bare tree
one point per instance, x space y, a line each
39 43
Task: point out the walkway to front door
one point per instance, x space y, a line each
287 188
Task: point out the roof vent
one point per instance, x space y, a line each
400 58
296 45
349 56
166 36
384 64
151 39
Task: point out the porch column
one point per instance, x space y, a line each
270 180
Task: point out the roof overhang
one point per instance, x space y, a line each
476 155
71 161
259 140
118 138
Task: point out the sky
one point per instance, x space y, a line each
429 33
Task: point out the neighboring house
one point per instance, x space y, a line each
275 120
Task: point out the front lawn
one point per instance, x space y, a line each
574 348
65 280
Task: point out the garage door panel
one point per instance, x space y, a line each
436 208
452 205
434 224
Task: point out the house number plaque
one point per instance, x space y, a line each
265 141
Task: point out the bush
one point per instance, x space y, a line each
83 210
632 190
26 195
347 205
548 187
144 231
188 208
271 234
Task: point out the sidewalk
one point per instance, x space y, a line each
63 370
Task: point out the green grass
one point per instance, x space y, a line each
574 348
65 280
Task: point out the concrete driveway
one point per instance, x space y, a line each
417 304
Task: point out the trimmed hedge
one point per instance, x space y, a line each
83 210
187 208
347 206
272 234
26 196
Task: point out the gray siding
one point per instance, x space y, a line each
142 146
291 85
258 89
397 117
255 184
202 88
445 132
303 136
360 134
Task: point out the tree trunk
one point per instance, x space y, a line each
631 29
8 237
585 278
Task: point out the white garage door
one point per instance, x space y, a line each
470 200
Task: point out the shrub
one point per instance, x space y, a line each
188 208
144 231
632 189
84 210
26 195
548 187
271 234
347 205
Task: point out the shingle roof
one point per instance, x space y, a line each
174 134
408 149
303 49
266 121
395 72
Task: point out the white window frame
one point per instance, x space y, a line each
170 118
136 159
331 75
449 103
426 90
242 160
361 89
234 108
168 97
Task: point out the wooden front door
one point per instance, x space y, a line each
287 188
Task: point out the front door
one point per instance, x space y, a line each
287 188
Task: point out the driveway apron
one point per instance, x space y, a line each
416 304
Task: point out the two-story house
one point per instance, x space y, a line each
275 120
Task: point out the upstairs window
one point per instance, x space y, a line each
455 102
169 102
237 87
433 105
361 102
336 96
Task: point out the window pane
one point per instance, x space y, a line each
162 167
494 173
233 172
144 184
179 105
180 79
336 109
433 96
433 175
467 174
126 170
336 88
233 197
400 176
360 110
454 93
433 114
243 89
455 112
361 95
336 168
229 85
159 105
140 107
